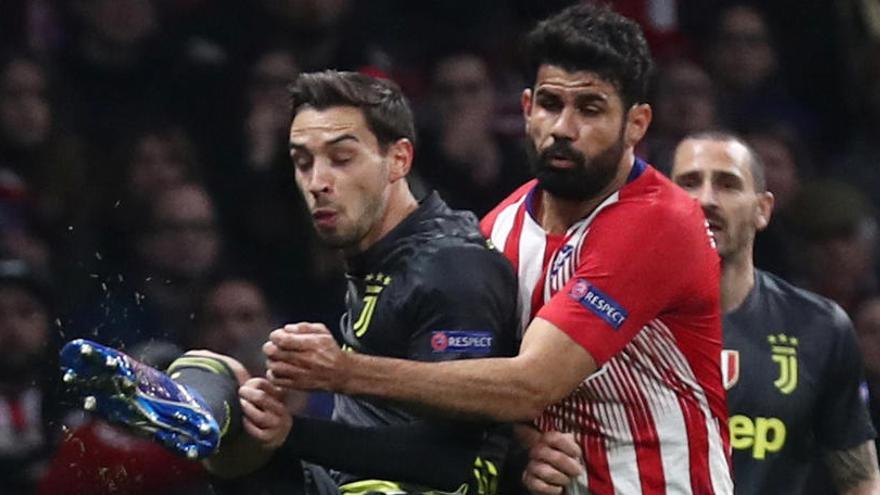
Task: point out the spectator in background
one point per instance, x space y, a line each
267 120
269 222
858 164
28 430
743 62
175 250
42 170
235 320
463 157
838 230
119 66
786 165
684 103
155 156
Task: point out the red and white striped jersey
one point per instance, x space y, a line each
636 283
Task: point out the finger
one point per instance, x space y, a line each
284 376
256 432
261 418
251 429
253 413
548 474
560 461
312 328
269 347
540 487
276 353
297 341
253 394
267 397
564 442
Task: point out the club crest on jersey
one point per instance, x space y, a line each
729 368
598 303
560 260
784 353
462 341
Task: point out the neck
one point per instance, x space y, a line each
400 204
737 279
557 214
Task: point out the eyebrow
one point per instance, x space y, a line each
591 97
689 173
336 140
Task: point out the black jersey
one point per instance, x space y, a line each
430 290
793 372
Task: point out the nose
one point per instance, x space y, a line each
565 126
319 180
706 195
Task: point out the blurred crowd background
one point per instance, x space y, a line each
147 200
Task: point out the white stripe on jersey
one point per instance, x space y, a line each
503 225
531 264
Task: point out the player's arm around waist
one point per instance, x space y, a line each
550 365
854 471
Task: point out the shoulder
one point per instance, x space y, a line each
808 305
653 207
466 264
510 201
659 199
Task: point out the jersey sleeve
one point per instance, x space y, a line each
634 269
842 419
464 306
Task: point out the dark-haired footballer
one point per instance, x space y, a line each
618 284
423 284
791 363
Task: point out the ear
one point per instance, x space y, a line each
526 102
765 210
400 161
638 118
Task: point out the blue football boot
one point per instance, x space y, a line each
124 391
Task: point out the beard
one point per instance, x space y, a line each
585 180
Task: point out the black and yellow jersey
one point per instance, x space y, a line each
430 290
793 373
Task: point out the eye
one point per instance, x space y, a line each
341 158
549 102
729 183
688 182
301 161
590 109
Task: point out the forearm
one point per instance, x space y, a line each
855 471
498 388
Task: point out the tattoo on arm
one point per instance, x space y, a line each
849 468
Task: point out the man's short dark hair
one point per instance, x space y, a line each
386 110
587 37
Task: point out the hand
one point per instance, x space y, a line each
305 356
266 423
266 419
553 462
